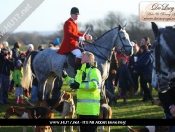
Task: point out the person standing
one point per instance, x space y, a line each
124 78
133 61
71 37
17 75
30 48
112 73
88 84
144 67
16 50
15 55
6 64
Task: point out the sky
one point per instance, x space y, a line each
52 13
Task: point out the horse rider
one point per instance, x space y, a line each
71 37
87 82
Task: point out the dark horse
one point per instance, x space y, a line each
163 48
48 61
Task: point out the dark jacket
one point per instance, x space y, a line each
124 77
144 63
131 61
6 65
16 53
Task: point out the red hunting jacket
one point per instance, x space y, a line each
71 36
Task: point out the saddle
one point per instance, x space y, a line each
70 58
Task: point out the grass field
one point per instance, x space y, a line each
135 109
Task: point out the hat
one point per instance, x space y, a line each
30 46
18 62
57 41
74 10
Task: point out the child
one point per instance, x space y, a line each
124 78
17 75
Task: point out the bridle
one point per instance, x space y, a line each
160 87
102 55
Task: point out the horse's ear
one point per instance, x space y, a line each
124 26
119 28
155 29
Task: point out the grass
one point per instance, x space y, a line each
135 109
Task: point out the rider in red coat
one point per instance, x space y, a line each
71 37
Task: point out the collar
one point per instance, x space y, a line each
74 20
84 66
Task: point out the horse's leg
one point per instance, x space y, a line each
41 88
49 86
41 75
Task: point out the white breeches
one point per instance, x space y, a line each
76 52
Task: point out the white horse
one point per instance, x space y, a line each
163 50
47 64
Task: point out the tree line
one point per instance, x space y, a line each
135 29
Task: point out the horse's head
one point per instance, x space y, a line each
123 41
164 58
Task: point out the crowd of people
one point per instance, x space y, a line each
132 71
11 72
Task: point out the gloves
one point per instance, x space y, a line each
64 73
88 37
81 39
75 85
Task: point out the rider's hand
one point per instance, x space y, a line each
81 39
88 37
64 73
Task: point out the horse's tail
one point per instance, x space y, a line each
26 80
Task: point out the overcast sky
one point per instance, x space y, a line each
52 13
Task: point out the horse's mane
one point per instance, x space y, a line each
168 34
106 33
169 37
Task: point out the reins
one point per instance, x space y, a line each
102 56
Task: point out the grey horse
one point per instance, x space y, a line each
48 61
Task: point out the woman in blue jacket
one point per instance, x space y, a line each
144 67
